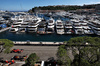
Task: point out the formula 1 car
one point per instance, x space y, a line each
17 50
10 62
6 61
21 58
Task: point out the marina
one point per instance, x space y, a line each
41 28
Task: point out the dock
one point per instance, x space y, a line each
37 43
4 29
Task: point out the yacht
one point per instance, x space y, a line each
42 28
32 27
50 26
86 28
68 28
95 26
13 29
77 27
16 25
23 27
59 27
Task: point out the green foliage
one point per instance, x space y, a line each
61 47
66 7
32 59
7 44
65 42
63 58
7 50
87 55
30 11
82 40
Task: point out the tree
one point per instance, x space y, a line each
62 57
30 11
7 44
88 54
65 42
32 59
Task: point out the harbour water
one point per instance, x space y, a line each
37 37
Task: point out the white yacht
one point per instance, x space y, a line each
32 27
16 25
59 27
50 26
86 28
14 29
95 26
77 27
23 27
68 28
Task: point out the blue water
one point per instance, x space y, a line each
36 37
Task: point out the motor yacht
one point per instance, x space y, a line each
77 27
68 28
59 27
50 26
95 26
42 27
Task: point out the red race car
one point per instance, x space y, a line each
6 61
10 62
17 50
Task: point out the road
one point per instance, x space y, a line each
44 52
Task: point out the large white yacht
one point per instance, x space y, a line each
23 27
86 28
32 27
50 26
95 25
68 28
14 29
59 27
77 27
16 25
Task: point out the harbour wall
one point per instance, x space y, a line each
37 43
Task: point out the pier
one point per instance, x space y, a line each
36 43
2 30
